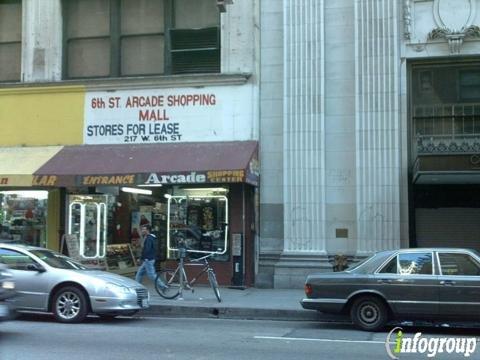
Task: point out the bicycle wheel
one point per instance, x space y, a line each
171 279
213 283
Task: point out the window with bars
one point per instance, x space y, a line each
10 40
445 108
469 81
112 38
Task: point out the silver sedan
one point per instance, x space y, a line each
50 282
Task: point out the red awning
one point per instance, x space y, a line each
206 162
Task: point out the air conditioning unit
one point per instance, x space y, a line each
195 50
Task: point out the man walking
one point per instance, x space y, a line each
148 256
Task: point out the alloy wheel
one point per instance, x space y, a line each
68 305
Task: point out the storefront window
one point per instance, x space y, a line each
107 226
198 218
24 216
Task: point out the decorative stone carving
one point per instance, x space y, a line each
407 19
419 47
455 37
454 20
454 14
428 145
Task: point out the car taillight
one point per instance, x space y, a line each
308 289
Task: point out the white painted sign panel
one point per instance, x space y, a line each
168 115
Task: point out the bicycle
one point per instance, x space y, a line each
176 280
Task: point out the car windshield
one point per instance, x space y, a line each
57 260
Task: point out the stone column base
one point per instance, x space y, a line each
266 270
291 270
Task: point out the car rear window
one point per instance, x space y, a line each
390 267
362 262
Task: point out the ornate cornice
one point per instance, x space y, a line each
455 37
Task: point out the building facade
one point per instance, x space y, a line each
369 130
119 113
360 116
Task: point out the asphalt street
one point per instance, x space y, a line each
40 337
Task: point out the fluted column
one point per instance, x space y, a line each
304 128
377 124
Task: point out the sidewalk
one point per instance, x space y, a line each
251 303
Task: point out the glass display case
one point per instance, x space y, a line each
120 259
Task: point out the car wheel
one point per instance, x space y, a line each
70 305
369 313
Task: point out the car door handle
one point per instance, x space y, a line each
384 281
447 282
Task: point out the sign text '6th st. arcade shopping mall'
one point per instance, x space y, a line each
168 115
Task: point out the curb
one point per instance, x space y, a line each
245 313
214 312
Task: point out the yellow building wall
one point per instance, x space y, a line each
53 219
43 116
39 116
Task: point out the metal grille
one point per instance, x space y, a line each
195 50
141 294
447 128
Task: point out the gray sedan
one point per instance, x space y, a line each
437 283
49 282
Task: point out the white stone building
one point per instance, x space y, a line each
370 130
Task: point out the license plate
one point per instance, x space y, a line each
3 311
144 303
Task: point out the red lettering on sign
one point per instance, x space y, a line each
191 100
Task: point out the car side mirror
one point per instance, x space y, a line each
36 267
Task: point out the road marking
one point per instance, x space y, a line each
320 340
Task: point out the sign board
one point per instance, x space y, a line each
73 246
236 244
169 115
194 177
